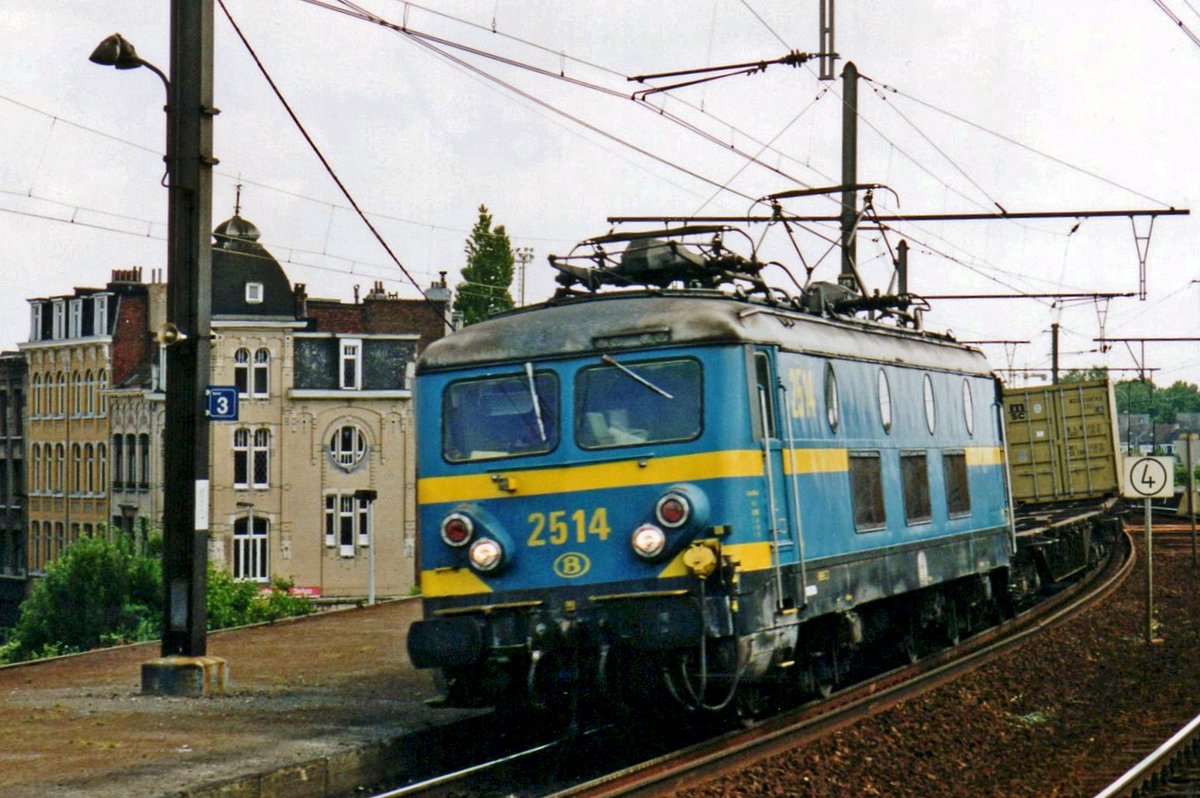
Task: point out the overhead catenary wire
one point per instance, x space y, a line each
324 162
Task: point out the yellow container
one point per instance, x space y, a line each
1062 441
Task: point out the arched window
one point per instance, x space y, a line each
101 386
347 446
241 371
35 473
131 461
47 469
101 468
35 540
76 394
35 395
118 462
89 461
144 461
60 468
262 373
60 398
89 393
250 536
77 468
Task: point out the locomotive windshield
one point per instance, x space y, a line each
622 404
500 417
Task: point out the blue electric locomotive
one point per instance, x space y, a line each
697 487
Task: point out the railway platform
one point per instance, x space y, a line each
310 706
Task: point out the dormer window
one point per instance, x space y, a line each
100 317
35 325
60 318
75 318
254 293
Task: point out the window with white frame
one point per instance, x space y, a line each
76 395
347 522
241 371
261 385
61 391
102 397
100 322
254 293
351 364
35 321
35 396
250 536
58 325
348 446
251 458
74 318
241 458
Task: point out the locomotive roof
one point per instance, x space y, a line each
662 319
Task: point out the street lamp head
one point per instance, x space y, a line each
115 51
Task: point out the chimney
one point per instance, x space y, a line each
300 300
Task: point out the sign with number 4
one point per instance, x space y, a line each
1149 477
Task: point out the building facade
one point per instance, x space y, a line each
314 481
78 344
12 486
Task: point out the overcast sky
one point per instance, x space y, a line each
1034 105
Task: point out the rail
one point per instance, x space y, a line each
1154 764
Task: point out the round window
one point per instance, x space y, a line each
885 401
832 411
968 407
930 406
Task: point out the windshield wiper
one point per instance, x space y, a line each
630 373
537 406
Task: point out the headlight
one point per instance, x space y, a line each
457 530
673 510
648 541
486 554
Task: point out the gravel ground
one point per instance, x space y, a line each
1063 715
310 688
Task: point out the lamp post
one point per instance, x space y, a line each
523 255
183 668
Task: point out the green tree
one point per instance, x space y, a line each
102 592
1085 375
488 273
1163 404
98 593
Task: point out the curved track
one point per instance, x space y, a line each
561 769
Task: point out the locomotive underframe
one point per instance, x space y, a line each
699 639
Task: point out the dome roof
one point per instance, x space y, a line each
235 228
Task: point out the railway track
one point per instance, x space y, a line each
560 768
1171 771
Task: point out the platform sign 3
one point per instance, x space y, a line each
221 402
1149 477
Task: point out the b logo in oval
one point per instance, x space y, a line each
571 565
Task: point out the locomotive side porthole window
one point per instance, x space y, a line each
958 493
930 406
629 403
493 417
885 402
866 491
914 474
832 410
968 407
